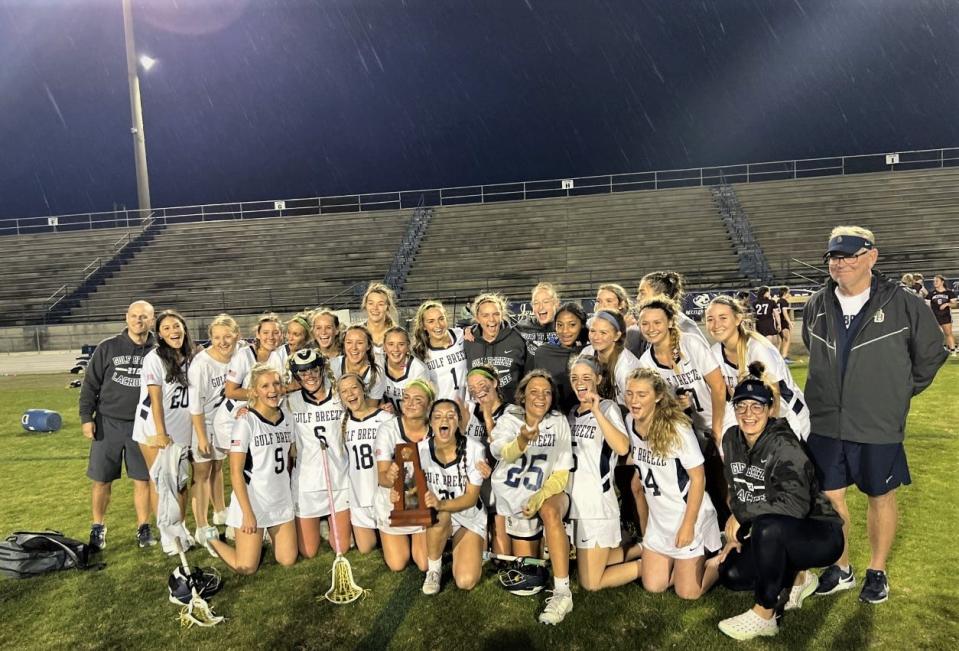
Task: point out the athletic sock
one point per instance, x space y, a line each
434 566
561 584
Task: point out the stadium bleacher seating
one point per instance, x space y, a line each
915 215
576 243
36 265
248 266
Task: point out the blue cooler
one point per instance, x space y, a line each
41 420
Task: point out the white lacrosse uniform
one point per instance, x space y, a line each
207 380
592 496
476 428
690 327
266 470
388 436
359 437
176 405
792 404
515 482
245 358
448 367
317 421
624 365
449 481
376 390
283 355
697 362
666 487
395 388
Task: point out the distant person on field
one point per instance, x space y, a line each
873 345
942 300
785 323
108 404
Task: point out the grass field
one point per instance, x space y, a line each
43 484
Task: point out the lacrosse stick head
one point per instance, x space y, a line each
343 590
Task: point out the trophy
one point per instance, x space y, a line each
410 511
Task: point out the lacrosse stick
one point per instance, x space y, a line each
522 560
343 590
198 612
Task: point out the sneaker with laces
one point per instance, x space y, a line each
798 593
749 625
219 517
145 536
98 537
834 580
432 583
206 534
875 589
557 607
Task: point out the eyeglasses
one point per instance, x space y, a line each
840 259
748 406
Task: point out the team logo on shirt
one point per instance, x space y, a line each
879 317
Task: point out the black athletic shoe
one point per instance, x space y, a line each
833 580
875 589
145 536
98 537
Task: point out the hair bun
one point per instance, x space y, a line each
756 369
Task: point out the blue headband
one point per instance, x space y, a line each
606 315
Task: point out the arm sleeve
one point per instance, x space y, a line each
504 437
92 381
925 345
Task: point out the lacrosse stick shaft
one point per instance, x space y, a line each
329 491
527 560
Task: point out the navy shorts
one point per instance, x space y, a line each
111 448
875 468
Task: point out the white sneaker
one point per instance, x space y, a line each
749 625
432 583
203 537
557 607
219 517
798 593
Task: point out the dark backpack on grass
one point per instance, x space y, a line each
27 553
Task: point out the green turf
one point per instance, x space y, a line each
43 484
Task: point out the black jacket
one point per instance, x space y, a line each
861 380
111 384
554 359
507 354
534 333
774 477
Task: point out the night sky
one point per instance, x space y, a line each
264 99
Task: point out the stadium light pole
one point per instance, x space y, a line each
136 113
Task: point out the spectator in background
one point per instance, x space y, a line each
767 315
941 300
918 284
108 404
873 345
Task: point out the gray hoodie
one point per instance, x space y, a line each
111 385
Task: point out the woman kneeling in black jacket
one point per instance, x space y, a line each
782 523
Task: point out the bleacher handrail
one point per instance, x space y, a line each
494 192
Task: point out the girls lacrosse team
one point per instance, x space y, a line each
519 430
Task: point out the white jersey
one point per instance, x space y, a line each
476 428
245 358
395 388
207 383
792 404
176 405
665 483
515 482
266 470
448 367
590 484
449 481
624 365
690 327
315 422
373 389
697 362
388 436
360 440
283 355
